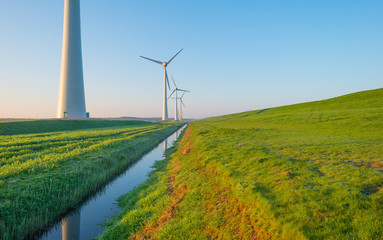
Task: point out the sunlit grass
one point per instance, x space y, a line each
305 171
42 175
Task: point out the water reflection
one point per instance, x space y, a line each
165 145
71 227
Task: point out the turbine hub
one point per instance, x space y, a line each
164 64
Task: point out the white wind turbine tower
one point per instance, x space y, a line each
176 89
71 101
166 80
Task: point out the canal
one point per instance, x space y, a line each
85 222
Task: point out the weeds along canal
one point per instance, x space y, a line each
85 222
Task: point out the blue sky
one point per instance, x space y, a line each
238 55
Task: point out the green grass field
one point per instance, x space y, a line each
48 167
305 171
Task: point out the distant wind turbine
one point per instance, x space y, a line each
181 102
166 80
176 89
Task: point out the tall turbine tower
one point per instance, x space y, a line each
71 102
166 80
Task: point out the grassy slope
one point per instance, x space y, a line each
305 171
42 175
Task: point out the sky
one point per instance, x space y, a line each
238 55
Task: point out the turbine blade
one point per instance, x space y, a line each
174 56
182 95
159 62
167 78
182 102
179 89
171 93
174 82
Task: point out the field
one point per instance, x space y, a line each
48 167
305 171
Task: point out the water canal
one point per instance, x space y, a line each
84 222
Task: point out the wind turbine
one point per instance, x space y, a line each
176 89
166 80
181 105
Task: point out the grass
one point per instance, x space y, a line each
57 164
56 125
305 171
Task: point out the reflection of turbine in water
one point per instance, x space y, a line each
71 227
165 144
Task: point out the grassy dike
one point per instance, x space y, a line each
43 175
305 171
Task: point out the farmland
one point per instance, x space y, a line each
304 171
48 167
